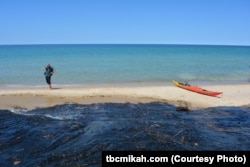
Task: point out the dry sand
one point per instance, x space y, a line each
30 98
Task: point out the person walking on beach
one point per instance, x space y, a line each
49 71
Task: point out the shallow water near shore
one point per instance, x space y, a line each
75 134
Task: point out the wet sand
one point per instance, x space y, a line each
38 97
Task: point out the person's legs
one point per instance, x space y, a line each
48 80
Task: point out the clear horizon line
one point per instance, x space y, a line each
123 44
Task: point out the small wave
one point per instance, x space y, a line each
24 86
64 115
19 110
61 117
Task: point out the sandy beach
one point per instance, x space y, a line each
35 97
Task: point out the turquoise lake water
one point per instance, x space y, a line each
22 65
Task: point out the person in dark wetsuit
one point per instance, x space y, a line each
49 71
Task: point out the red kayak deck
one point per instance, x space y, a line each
196 89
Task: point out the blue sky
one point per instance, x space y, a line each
220 22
